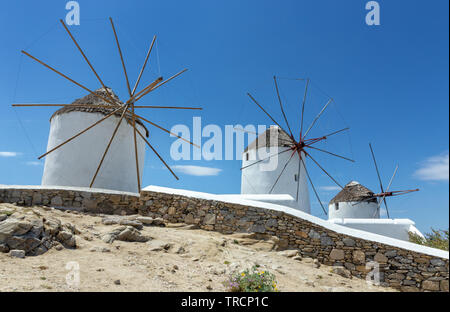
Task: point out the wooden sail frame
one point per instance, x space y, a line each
301 145
126 109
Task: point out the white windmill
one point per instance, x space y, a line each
291 175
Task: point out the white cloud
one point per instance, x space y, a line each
434 169
197 170
329 188
33 163
9 154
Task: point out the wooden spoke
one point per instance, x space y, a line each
256 162
109 144
64 105
159 156
317 117
387 190
282 171
168 107
251 97
314 189
329 175
71 80
336 132
89 63
135 148
143 66
159 85
281 105
159 127
81 132
303 107
298 175
134 99
121 57
324 151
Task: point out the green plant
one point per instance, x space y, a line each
436 239
252 280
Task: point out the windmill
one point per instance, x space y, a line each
381 197
111 106
299 146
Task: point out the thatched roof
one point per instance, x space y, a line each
274 136
91 99
354 192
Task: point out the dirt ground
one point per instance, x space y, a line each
177 258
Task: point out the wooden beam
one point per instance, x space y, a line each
121 57
143 66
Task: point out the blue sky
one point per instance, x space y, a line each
389 84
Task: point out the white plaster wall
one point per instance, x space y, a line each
75 163
359 210
256 180
394 228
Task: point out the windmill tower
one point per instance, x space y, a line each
75 164
257 180
101 123
290 175
356 201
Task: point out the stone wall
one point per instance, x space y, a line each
400 268
82 199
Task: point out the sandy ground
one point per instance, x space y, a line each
178 258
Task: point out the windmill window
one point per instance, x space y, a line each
336 206
246 156
295 177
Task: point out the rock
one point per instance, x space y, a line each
359 256
134 223
145 220
391 253
313 234
67 239
3 217
339 270
125 233
297 258
210 219
159 222
209 287
13 227
444 285
189 219
56 201
316 263
337 254
326 241
350 266
17 253
348 242
380 258
430 285
437 262
4 247
288 253
117 282
157 245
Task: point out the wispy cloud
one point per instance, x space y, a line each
9 154
434 168
197 170
34 163
329 188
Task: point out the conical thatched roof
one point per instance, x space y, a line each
354 192
91 99
274 136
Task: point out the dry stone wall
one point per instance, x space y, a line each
400 268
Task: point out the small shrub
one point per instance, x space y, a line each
436 239
252 280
